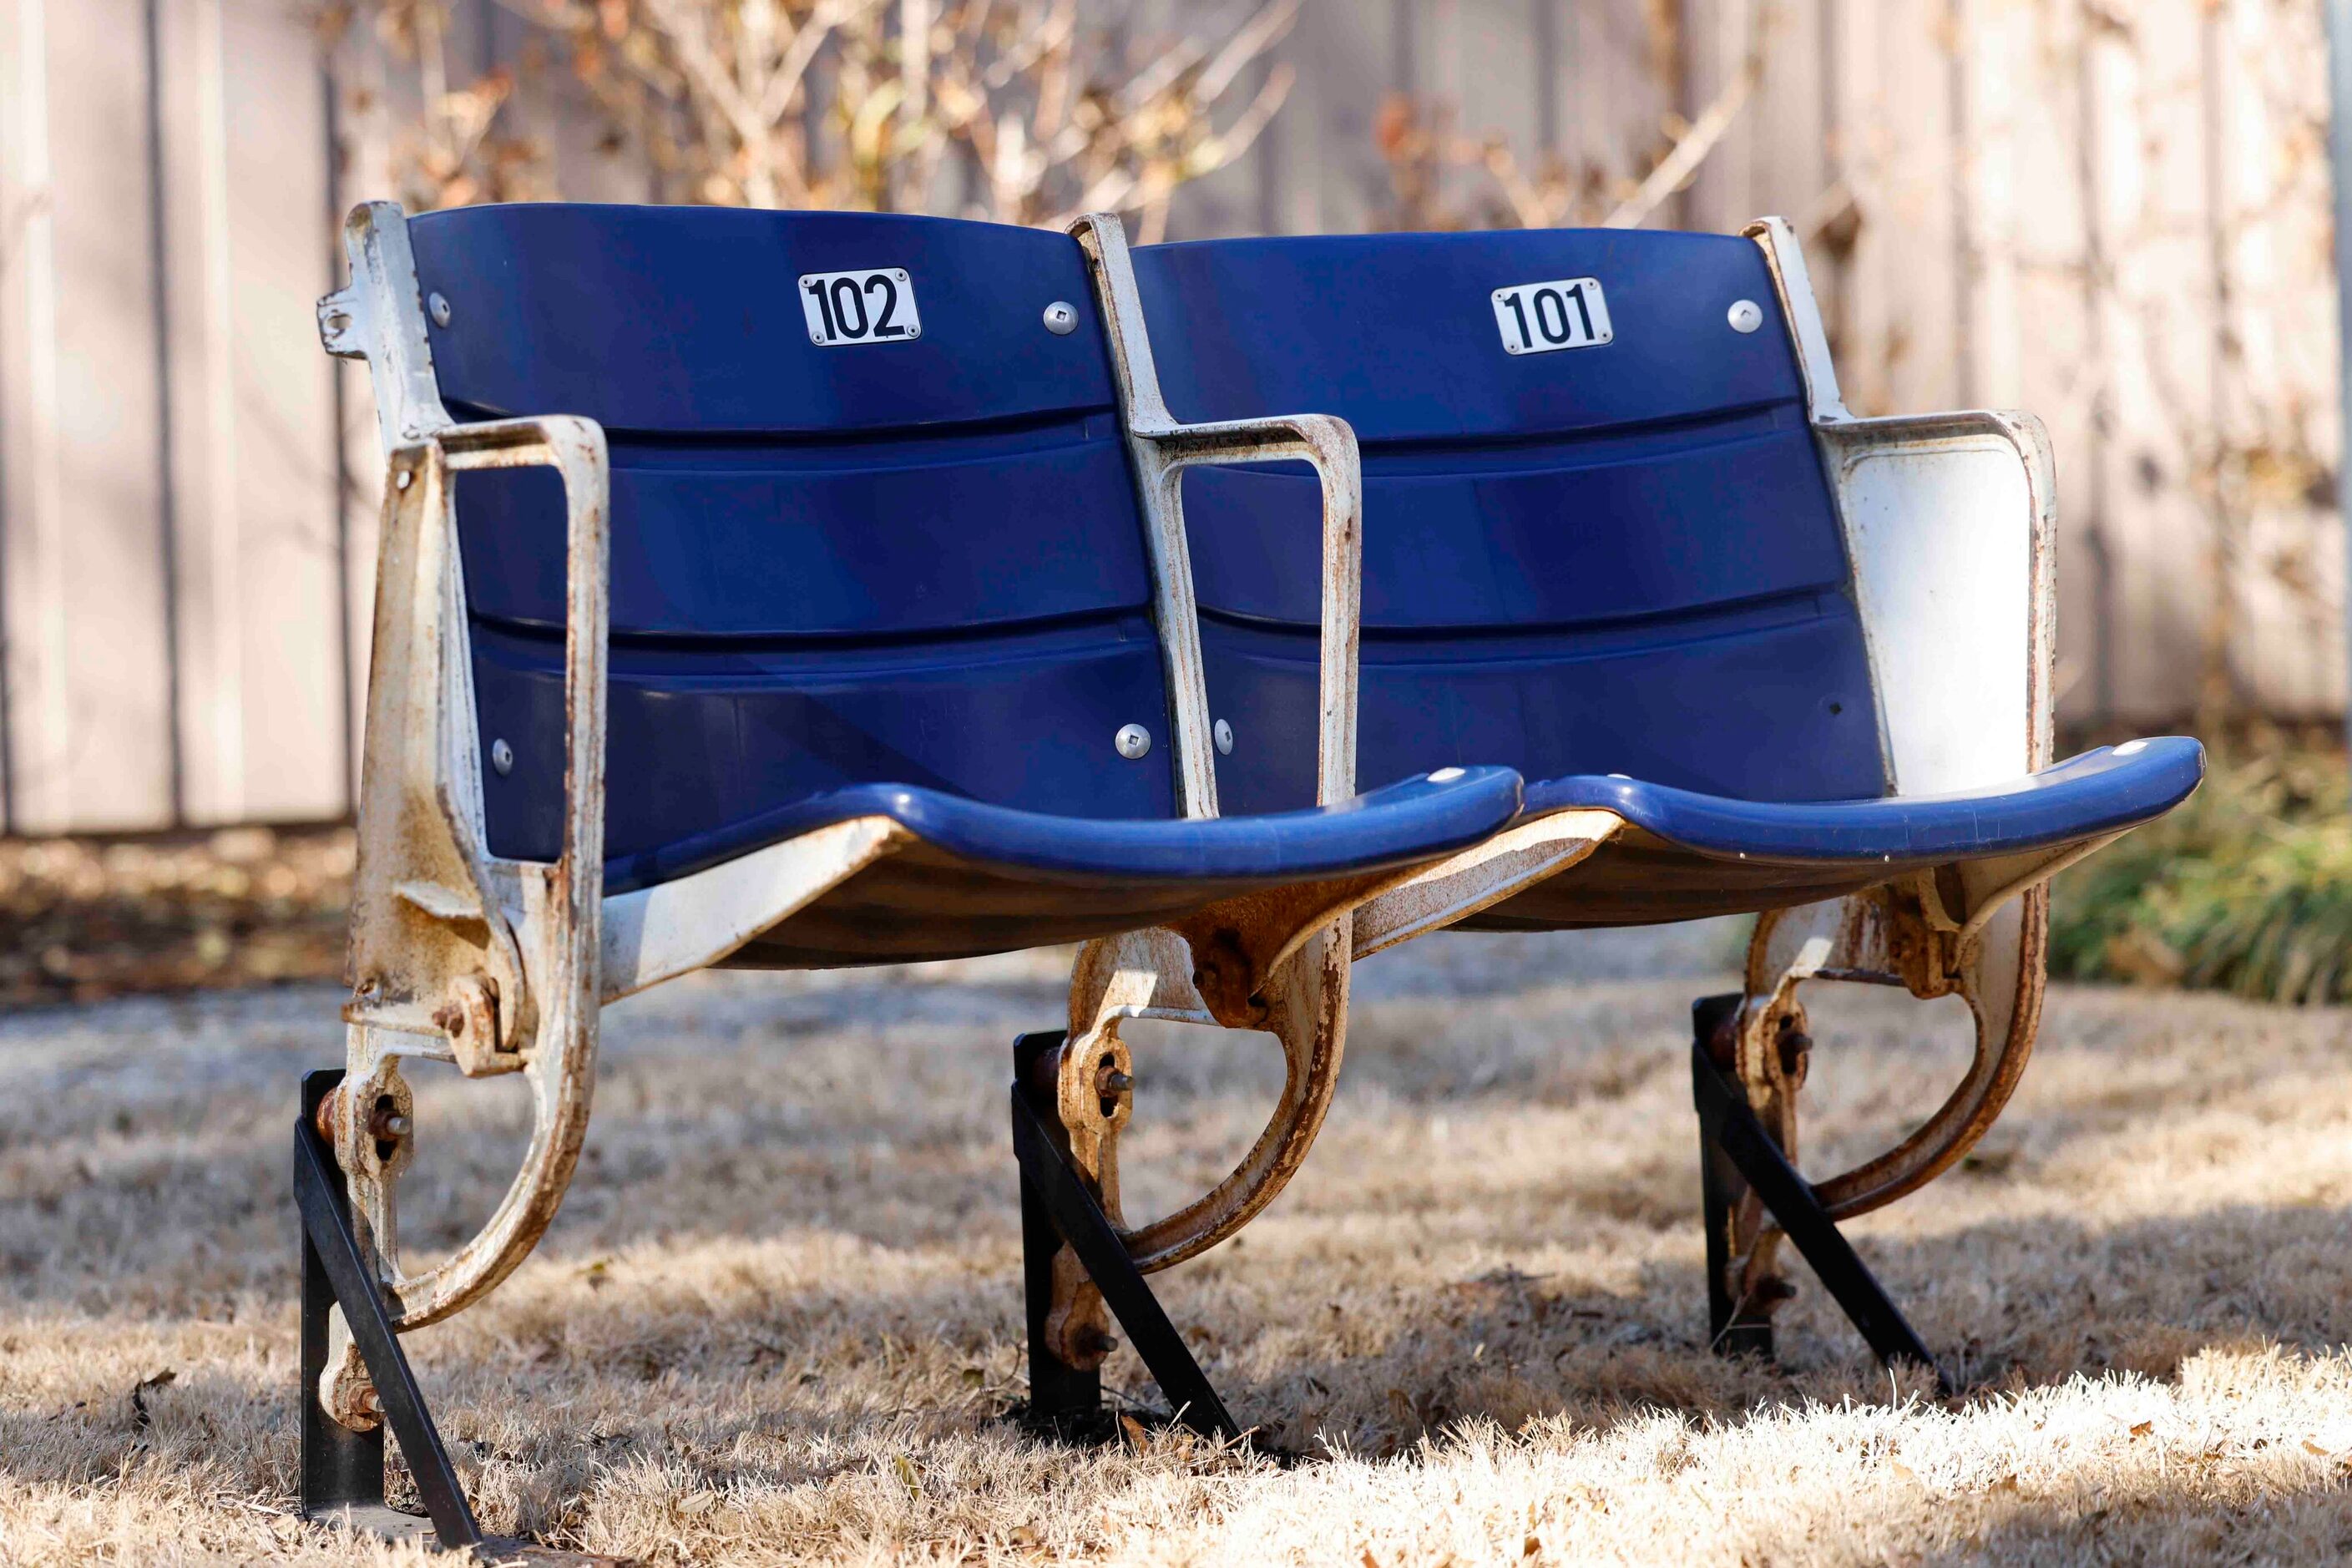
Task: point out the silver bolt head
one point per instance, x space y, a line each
1223 734
1746 315
1061 318
1133 740
502 756
439 305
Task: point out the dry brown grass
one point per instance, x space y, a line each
779 1317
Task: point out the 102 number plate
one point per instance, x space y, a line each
1538 318
871 306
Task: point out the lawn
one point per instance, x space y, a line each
779 1318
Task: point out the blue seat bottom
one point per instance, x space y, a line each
1414 820
2100 792
1685 855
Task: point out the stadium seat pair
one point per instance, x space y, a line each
829 589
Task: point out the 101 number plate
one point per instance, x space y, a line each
872 307
1538 318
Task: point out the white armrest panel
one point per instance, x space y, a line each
1947 520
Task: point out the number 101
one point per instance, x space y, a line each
1537 318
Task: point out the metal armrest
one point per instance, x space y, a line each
574 447
498 959
1950 553
1162 448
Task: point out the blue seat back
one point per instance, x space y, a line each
915 562
1622 558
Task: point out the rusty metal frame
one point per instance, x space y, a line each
496 965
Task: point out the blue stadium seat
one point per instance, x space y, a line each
1751 653
788 590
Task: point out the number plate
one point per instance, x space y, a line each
1537 318
873 307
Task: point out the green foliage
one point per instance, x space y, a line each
2246 889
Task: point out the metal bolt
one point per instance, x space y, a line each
502 756
388 1126
400 480
1747 315
439 305
1133 740
1223 733
1061 318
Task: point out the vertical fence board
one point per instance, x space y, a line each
1906 302
2159 327
89 670
2279 432
262 705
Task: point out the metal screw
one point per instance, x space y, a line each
439 305
1133 740
1223 733
502 756
388 1126
1747 315
1061 318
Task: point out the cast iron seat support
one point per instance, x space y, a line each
1056 1207
342 1469
1737 1156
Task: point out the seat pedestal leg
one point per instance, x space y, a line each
342 1470
1057 1207
1740 1156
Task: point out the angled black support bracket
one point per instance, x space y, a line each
1058 1205
342 1470
1738 1148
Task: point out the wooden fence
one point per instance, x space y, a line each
2111 212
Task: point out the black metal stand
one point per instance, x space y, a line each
342 1470
1740 1156
1056 1206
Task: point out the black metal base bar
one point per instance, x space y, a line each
1735 1325
1056 1206
1729 1127
342 1470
